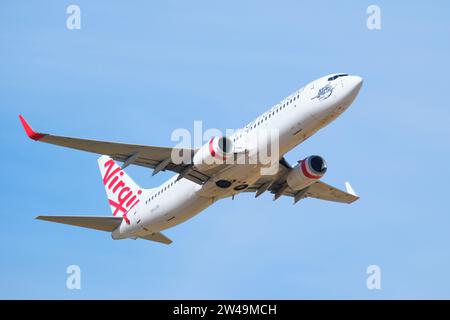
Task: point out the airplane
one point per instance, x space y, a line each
139 213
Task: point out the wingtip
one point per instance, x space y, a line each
350 190
29 131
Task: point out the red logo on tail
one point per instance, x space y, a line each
126 199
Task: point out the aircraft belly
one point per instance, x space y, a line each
238 177
174 207
182 212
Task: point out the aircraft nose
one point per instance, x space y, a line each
347 88
355 83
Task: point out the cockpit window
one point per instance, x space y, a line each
337 76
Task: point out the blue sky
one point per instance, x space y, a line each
134 73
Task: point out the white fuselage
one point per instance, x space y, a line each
296 118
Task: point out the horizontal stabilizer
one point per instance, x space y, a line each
101 223
158 237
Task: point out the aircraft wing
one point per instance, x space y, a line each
321 190
157 158
277 185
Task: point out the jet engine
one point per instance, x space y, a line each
213 153
306 172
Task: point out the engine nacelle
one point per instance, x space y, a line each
213 153
306 172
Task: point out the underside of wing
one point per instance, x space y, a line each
321 190
272 183
157 158
91 222
277 185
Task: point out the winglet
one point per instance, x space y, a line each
349 189
29 131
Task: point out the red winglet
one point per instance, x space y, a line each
29 131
